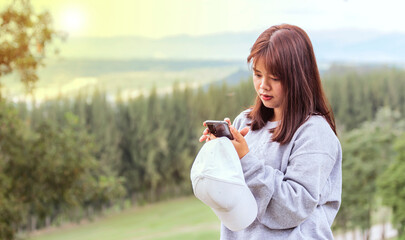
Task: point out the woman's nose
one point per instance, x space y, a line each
265 84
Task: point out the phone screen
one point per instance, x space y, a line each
219 128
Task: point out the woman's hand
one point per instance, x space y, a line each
207 136
239 141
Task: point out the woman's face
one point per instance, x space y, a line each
268 88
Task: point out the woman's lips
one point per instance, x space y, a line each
266 97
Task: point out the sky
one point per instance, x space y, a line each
162 18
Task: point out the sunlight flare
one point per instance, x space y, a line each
72 20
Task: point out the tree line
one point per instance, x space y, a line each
71 157
68 158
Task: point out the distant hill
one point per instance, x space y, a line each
330 46
127 77
133 65
96 67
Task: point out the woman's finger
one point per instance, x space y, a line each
244 131
236 134
228 121
202 138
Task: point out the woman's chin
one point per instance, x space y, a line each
267 104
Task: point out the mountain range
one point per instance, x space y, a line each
136 64
345 45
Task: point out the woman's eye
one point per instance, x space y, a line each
257 75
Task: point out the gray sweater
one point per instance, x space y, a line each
297 186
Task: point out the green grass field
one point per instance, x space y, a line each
185 218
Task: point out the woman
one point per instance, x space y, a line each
287 143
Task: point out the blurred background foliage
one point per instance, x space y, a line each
72 157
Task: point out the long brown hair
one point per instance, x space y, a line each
288 55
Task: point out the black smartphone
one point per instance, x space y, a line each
219 128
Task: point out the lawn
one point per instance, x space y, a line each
185 218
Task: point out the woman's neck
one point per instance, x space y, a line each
277 115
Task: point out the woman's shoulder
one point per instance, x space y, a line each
317 135
242 119
319 122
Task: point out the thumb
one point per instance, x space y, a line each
236 134
244 131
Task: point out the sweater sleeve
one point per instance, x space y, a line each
286 199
